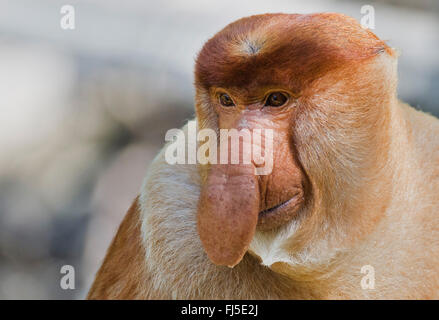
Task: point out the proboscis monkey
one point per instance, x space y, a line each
353 191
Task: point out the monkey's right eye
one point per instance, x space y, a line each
225 100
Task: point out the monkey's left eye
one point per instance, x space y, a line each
225 100
276 99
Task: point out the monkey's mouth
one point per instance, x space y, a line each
281 213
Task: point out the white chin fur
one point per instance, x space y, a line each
269 246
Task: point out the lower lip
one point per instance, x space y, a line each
280 214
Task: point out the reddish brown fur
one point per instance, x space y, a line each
123 274
295 50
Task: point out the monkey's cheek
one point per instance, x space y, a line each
227 217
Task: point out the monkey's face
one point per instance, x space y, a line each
258 74
279 180
239 197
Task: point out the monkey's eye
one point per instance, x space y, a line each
225 100
276 99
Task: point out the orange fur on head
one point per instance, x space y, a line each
354 180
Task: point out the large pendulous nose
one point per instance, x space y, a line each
228 212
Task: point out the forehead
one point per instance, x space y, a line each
286 50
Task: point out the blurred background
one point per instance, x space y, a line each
84 111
